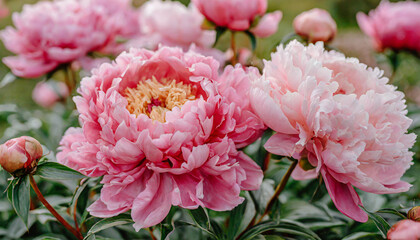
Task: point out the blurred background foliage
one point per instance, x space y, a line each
303 201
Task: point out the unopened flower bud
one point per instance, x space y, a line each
47 94
20 156
315 25
414 214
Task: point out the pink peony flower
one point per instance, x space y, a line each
338 115
48 34
268 25
157 20
47 94
405 230
234 14
157 27
20 156
393 25
315 25
163 129
4 11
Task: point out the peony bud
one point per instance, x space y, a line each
268 24
47 94
4 11
315 25
405 230
414 214
20 156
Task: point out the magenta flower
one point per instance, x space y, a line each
393 25
236 15
340 117
48 34
163 129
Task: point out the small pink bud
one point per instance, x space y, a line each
47 94
315 25
4 11
405 230
414 214
20 156
268 24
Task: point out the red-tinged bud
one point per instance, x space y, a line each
20 156
414 214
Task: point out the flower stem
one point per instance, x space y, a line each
233 47
279 189
151 234
52 210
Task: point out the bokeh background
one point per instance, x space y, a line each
19 115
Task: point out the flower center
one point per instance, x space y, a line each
154 98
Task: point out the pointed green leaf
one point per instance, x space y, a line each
56 171
219 32
200 217
380 223
364 235
21 198
235 220
8 78
253 40
108 223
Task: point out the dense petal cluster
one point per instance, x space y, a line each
48 34
393 25
237 15
338 115
163 129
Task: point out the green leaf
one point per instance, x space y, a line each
8 78
167 226
108 223
392 211
219 32
200 217
235 220
253 40
284 227
21 198
217 230
359 235
380 223
56 171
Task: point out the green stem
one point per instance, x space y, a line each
76 233
279 189
234 59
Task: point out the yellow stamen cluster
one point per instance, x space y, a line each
154 98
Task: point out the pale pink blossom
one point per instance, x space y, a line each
393 25
157 26
158 20
47 94
20 156
4 11
48 34
163 130
339 116
268 24
405 230
315 25
236 15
